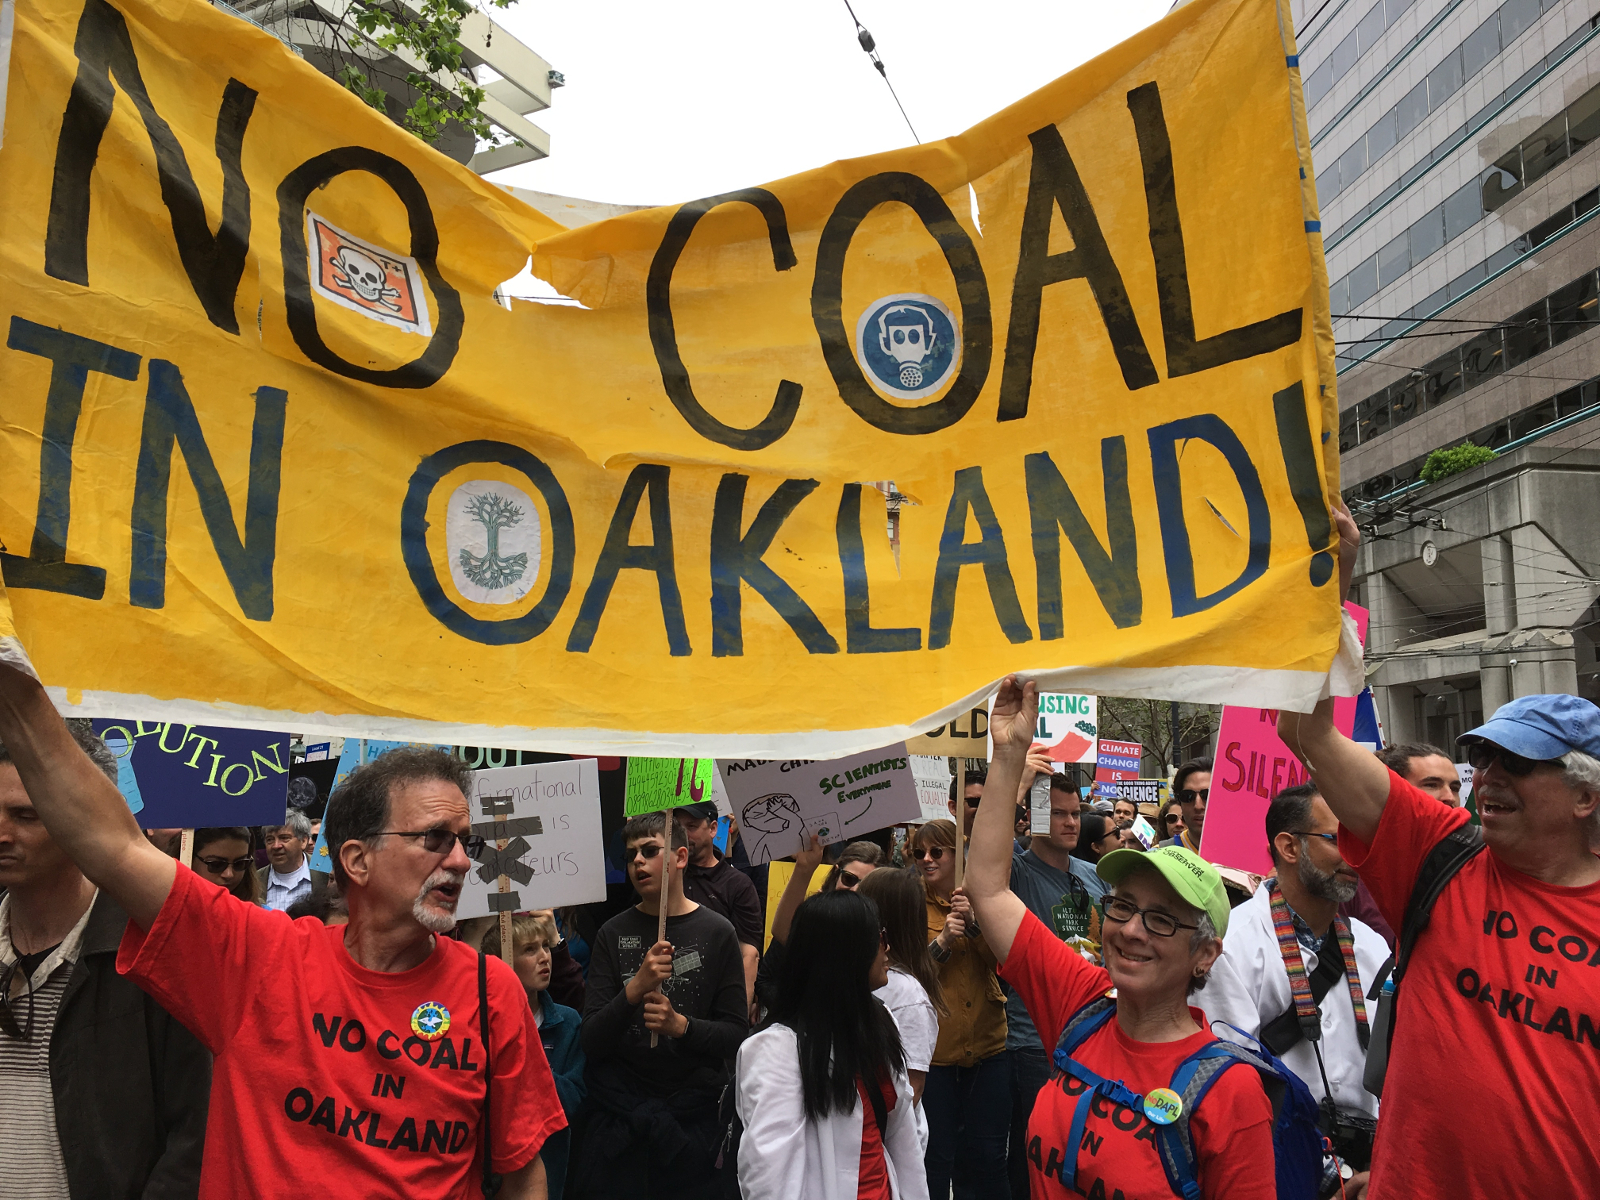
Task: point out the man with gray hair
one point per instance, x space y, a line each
1496 1019
288 877
358 1052
102 1091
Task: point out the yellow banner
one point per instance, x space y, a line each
274 455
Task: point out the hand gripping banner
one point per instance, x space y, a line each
273 455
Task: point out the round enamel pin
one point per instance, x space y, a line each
1163 1106
431 1021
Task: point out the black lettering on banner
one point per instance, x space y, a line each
427 1050
736 559
859 635
429 367
214 265
1054 510
972 289
1305 477
297 1104
989 551
419 562
325 1031
406 1136
1053 182
1186 354
170 421
391 1050
664 337
71 359
618 554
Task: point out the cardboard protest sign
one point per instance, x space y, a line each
1090 335
1067 728
956 738
1145 792
554 855
657 784
780 803
932 775
194 776
1252 766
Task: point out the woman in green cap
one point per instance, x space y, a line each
1162 931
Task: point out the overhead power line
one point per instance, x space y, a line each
871 47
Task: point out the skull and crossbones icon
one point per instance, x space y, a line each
365 276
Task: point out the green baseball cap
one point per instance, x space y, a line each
1191 876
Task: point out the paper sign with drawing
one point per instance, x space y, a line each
779 802
553 856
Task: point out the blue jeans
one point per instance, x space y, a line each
1030 1070
969 1118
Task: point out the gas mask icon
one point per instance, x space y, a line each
906 334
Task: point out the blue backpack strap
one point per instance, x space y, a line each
1079 1027
1195 1077
1081 1024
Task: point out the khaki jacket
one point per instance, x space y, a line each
974 1027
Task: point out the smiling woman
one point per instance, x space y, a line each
1162 927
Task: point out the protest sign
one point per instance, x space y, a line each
554 854
310 784
956 738
193 776
779 803
1067 730
356 752
932 773
1145 792
657 784
1252 766
1114 762
1090 335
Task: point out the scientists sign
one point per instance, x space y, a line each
779 804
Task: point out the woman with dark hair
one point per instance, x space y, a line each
1098 836
912 994
855 862
223 856
822 1089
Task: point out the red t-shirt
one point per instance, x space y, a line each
873 1178
333 1079
1496 1055
1232 1128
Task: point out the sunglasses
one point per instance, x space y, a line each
646 851
1190 795
1173 818
218 865
442 841
1483 754
846 880
1156 922
10 1008
933 852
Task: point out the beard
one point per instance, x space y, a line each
432 916
1326 885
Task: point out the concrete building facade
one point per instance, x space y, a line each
1459 191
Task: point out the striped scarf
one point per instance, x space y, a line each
1299 985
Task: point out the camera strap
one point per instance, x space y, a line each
1307 1014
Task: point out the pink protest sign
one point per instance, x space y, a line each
1252 766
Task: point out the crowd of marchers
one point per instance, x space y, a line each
983 1013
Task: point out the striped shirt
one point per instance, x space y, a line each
29 1147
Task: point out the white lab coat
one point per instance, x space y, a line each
784 1156
1249 986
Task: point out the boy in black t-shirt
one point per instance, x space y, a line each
699 1013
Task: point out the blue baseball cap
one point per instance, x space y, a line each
1542 727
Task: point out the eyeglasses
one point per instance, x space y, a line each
9 1008
933 852
441 841
1120 910
646 851
1190 795
1173 818
1482 755
218 865
1327 837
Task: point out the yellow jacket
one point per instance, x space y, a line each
974 1026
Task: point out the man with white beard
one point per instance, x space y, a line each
353 1054
1296 974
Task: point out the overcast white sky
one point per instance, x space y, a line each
666 102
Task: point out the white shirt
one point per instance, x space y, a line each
284 890
1249 986
914 1015
783 1155
29 1145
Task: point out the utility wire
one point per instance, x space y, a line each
871 47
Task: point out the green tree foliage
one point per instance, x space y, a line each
1442 464
428 31
1149 722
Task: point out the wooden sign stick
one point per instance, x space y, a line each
666 894
507 950
186 848
961 820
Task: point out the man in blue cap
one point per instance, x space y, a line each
1499 1029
